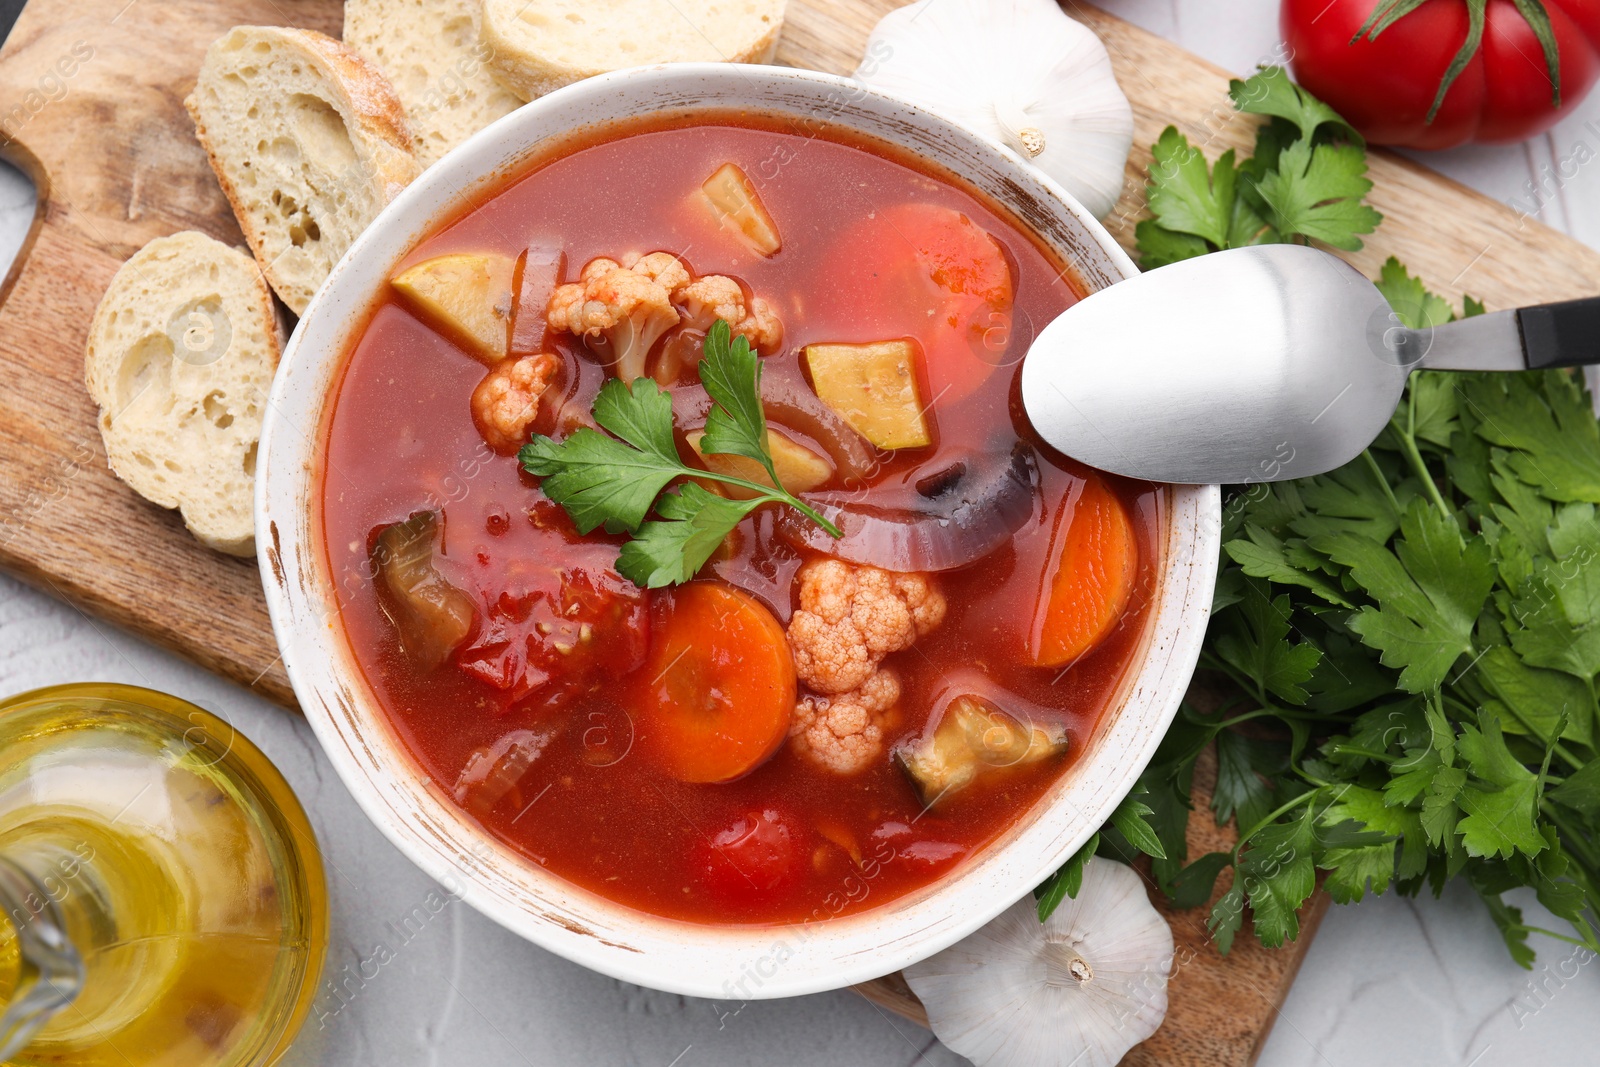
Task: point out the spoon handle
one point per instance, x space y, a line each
1530 338
1561 335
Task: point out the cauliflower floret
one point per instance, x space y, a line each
505 403
852 615
664 268
619 312
844 733
621 309
598 267
717 296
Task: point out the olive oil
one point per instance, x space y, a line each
179 867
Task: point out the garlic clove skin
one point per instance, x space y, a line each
1020 72
1077 991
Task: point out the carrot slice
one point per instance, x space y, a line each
718 687
1094 559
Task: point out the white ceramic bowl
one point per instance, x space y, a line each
733 962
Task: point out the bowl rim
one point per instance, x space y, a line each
414 813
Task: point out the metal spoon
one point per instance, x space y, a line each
1258 364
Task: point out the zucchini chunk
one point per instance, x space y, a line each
737 205
973 738
466 296
873 387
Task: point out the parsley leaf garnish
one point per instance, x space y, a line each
616 481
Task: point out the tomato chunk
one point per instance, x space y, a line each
756 857
929 272
1094 559
550 633
718 689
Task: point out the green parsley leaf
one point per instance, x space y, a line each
1197 207
1159 246
694 522
603 481
1415 306
737 424
1066 882
1317 192
1581 791
1186 195
1193 885
1264 555
1256 644
1429 592
1502 797
1538 699
1351 499
1547 423
1559 607
615 481
1131 821
1244 786
1270 92
1508 920
1227 916
1279 872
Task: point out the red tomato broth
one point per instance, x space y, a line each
594 809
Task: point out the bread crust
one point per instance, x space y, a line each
217 511
433 54
521 68
379 117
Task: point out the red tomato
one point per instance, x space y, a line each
1386 87
755 858
926 271
550 632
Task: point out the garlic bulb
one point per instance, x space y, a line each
1080 989
1019 71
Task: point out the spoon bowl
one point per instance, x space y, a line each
1247 365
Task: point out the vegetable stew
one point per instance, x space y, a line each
686 526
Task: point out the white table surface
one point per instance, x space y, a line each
1386 982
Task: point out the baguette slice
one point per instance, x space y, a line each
309 143
431 53
180 358
540 45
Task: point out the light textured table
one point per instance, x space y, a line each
1387 982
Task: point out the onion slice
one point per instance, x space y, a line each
940 520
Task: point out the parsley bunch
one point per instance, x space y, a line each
1410 646
1306 180
1407 648
616 481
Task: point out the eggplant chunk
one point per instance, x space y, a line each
430 614
974 738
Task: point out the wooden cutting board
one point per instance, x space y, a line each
91 98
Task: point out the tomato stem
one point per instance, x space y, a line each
1387 12
1538 19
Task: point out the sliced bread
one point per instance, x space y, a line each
540 45
309 143
180 359
431 54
